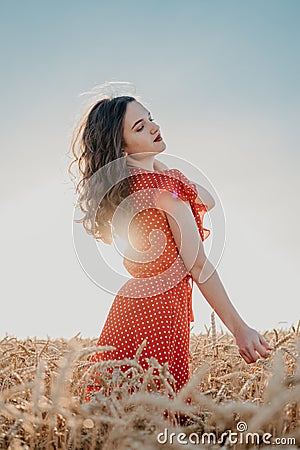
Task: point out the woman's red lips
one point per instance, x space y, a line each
159 138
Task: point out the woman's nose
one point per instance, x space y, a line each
155 127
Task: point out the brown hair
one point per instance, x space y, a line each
98 142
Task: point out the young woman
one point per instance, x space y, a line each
119 139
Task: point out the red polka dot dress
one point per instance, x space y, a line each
156 302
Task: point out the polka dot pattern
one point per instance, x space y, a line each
156 303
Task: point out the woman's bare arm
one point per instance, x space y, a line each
251 344
204 196
214 292
186 235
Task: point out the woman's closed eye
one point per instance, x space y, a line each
142 126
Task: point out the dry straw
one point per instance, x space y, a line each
42 407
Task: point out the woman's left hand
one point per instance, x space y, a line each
252 344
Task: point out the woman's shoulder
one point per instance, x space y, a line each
143 176
152 174
172 180
151 183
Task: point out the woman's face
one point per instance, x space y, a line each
141 134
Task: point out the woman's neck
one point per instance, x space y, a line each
142 161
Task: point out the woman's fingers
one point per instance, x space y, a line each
248 355
253 352
265 343
252 346
245 357
262 352
253 355
262 347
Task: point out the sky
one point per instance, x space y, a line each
221 77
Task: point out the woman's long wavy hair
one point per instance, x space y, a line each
97 148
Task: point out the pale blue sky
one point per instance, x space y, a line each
221 78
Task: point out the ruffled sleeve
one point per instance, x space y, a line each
174 181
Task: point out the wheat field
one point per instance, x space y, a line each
226 404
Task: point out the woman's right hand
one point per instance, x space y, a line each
252 344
